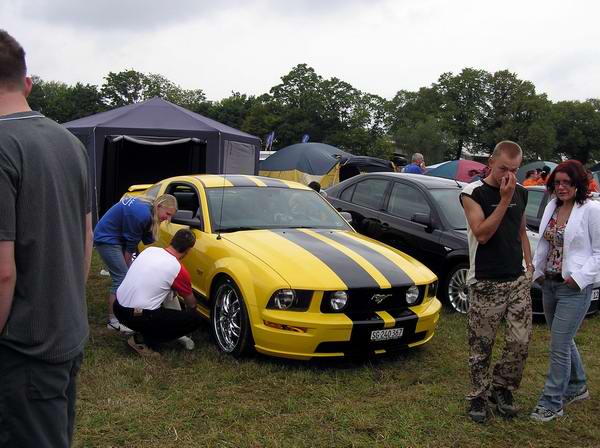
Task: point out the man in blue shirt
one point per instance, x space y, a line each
417 166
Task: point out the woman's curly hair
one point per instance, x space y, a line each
579 179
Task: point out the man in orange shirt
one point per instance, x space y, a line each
531 178
544 175
592 185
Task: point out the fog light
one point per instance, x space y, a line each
412 295
338 300
284 299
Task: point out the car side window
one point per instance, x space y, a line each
187 199
347 193
406 200
534 200
369 193
152 192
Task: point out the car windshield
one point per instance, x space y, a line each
247 208
449 205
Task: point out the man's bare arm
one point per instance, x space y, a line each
525 245
89 244
8 278
190 301
484 228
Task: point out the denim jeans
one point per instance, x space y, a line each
564 308
113 258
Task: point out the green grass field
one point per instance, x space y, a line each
414 399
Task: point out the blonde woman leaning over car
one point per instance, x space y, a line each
120 230
566 262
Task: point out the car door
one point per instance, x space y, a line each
404 225
364 201
196 262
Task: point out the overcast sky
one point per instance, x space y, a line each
378 46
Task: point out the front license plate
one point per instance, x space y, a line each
595 294
386 335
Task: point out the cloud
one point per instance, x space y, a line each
142 15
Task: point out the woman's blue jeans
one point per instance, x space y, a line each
113 258
565 309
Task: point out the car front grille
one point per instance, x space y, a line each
373 299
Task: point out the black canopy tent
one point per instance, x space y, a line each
326 164
144 142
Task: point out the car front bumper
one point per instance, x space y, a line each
306 335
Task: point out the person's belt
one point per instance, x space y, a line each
136 312
556 276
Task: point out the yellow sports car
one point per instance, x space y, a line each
277 269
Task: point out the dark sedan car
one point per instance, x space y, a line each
420 215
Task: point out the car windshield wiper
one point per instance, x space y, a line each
236 229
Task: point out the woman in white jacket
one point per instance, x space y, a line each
566 263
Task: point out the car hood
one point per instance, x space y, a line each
331 259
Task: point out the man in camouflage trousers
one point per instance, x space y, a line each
498 286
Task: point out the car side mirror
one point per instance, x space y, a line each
347 216
422 218
186 218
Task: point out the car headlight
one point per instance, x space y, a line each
284 299
290 299
412 295
338 300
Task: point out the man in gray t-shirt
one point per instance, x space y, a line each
45 251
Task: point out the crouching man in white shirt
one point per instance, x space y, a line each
150 280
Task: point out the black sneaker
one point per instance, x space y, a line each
478 410
503 400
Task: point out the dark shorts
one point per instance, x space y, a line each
37 401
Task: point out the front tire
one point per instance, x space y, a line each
230 325
456 291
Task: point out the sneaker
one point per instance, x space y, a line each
186 342
115 325
503 400
543 414
141 348
478 410
582 395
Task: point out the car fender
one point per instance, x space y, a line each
456 256
256 283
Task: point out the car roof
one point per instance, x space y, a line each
242 180
424 180
536 187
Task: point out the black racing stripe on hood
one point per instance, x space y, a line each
392 272
349 271
241 181
270 182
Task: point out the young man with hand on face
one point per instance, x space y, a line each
499 287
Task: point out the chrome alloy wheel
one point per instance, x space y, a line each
458 291
228 317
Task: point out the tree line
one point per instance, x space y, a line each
469 111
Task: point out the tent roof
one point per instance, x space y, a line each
310 158
154 113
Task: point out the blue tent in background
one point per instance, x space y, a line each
462 170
